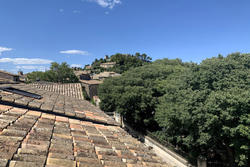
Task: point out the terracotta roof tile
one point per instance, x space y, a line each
71 89
6 81
33 138
91 82
59 130
52 102
8 73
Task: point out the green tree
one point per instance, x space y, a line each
35 76
135 93
206 110
60 73
123 62
126 61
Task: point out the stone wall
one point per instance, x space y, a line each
90 89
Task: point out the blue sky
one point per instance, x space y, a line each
35 32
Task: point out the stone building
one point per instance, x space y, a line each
83 75
6 77
105 75
91 87
87 67
108 65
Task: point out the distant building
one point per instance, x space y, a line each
107 58
108 65
83 75
6 77
91 87
104 75
88 67
22 77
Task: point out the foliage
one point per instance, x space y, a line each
202 109
123 62
126 61
60 73
134 94
95 66
35 76
206 111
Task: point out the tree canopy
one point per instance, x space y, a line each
201 108
207 112
123 62
135 93
60 73
126 61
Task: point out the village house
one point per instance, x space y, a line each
87 67
91 87
6 77
104 75
83 75
108 65
51 125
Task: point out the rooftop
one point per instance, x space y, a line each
71 89
91 82
60 130
5 72
55 103
81 72
105 74
6 81
109 63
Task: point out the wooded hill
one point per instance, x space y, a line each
123 62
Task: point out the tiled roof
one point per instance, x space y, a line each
109 63
8 73
71 89
6 81
105 74
77 73
56 103
91 82
33 139
62 131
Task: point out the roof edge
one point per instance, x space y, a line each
54 113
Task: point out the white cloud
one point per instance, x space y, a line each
39 68
106 3
76 65
75 52
61 10
4 49
25 61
